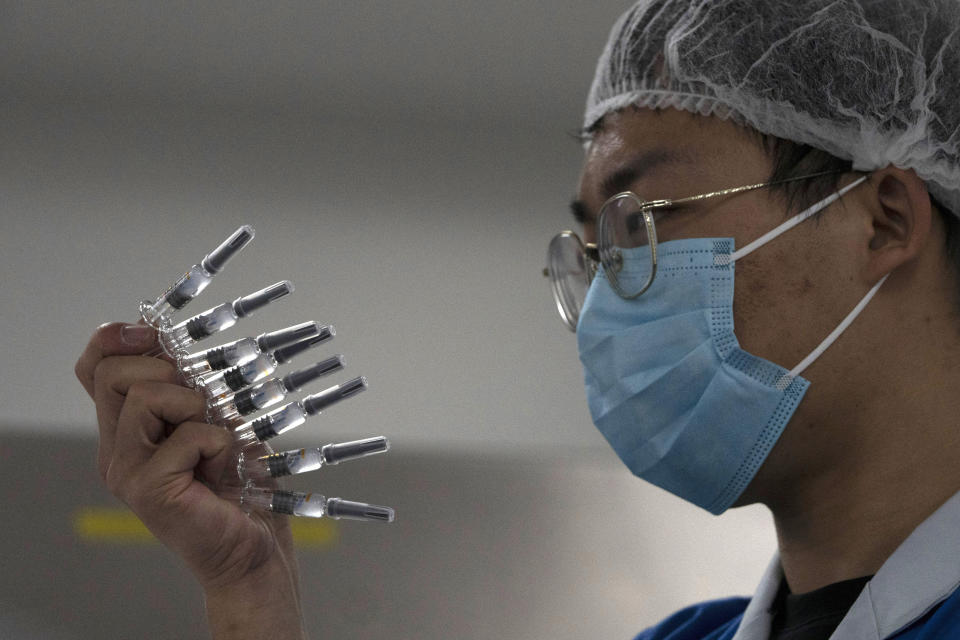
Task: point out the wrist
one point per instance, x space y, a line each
263 603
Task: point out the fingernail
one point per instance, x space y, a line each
136 334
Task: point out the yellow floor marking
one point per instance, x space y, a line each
108 525
314 533
104 524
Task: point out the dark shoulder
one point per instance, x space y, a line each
713 620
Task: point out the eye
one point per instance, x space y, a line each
634 222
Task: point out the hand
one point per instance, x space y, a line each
158 455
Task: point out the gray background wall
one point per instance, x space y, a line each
405 164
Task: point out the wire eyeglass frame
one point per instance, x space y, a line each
606 253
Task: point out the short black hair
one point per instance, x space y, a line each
792 159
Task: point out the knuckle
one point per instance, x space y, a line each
102 373
199 405
170 373
103 465
140 392
112 479
119 372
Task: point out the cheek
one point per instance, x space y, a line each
772 300
787 299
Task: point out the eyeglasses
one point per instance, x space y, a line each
626 247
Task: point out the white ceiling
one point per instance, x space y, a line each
407 159
498 61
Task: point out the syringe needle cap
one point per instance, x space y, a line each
320 401
288 353
302 377
338 508
230 247
288 337
248 304
336 453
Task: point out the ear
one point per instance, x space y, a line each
900 220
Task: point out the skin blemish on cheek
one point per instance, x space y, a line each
756 286
750 278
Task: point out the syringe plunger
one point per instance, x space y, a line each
338 508
321 401
244 375
246 305
244 350
297 461
194 281
178 338
294 414
288 353
313 505
229 409
214 261
337 453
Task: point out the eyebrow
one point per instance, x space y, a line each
638 166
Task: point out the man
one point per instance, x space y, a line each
840 117
819 385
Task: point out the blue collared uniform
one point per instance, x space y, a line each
914 596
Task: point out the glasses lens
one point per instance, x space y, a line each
625 245
570 276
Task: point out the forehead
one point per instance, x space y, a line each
640 145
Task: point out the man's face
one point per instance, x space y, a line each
789 294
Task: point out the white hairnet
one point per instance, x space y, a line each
872 81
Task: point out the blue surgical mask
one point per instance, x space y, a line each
667 383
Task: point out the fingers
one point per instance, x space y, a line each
141 426
194 446
164 490
113 378
112 339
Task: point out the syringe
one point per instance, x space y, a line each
310 505
229 410
179 337
305 460
244 350
244 375
195 280
296 413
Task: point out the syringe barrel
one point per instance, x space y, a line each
203 325
188 287
291 462
275 422
195 280
239 377
259 397
223 316
219 358
231 408
310 505
297 503
242 351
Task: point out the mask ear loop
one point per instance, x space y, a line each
797 219
785 381
787 378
